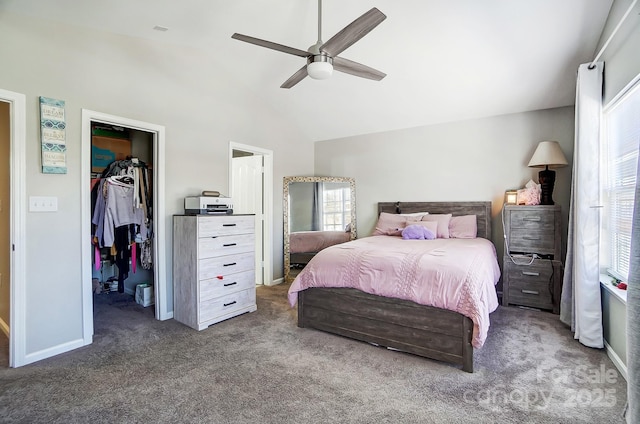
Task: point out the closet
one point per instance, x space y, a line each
122 227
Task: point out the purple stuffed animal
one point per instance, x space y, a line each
417 232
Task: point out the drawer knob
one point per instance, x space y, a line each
230 303
533 274
530 292
231 284
229 244
228 225
231 264
531 218
531 238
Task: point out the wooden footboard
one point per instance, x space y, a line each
399 324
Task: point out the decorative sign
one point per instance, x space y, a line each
52 130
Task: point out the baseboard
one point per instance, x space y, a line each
622 368
5 328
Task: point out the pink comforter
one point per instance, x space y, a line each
454 274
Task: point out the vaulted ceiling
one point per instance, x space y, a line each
445 60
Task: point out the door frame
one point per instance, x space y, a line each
159 240
17 231
267 204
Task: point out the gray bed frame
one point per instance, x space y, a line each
399 324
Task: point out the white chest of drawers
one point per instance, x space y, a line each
213 268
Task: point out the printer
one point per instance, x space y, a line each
196 205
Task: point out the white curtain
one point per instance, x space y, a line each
633 315
580 305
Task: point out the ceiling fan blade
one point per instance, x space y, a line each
295 78
353 32
354 68
271 45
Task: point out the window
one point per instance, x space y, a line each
336 207
621 140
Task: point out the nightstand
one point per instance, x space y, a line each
532 264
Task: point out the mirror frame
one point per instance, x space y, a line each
285 209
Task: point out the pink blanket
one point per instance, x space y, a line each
454 274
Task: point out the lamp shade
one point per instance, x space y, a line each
548 153
319 70
320 67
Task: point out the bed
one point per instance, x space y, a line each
305 244
398 323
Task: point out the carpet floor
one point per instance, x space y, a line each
261 368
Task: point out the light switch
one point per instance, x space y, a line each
43 204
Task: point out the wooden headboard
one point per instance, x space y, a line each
482 210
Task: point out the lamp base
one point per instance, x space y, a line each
547 179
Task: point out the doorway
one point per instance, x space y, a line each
162 292
16 301
251 189
5 223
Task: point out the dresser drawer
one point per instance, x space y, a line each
532 220
539 270
528 297
216 287
530 285
225 225
210 247
212 308
225 265
525 240
539 288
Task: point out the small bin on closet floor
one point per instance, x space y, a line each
144 294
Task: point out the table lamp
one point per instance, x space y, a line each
547 154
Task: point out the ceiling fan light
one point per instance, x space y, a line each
320 67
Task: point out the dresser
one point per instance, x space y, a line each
213 268
532 264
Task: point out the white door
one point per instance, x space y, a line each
246 192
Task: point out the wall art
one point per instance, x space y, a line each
53 137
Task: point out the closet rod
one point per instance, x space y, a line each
604 47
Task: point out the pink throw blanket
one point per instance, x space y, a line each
454 274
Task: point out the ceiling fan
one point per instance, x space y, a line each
322 58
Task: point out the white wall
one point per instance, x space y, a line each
475 160
622 61
151 82
614 320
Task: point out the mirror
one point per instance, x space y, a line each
318 212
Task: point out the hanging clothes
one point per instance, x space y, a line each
122 214
122 197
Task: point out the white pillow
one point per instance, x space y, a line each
418 214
